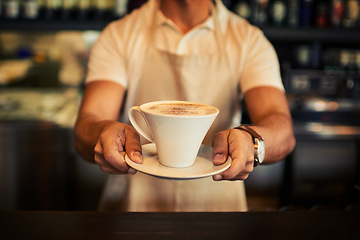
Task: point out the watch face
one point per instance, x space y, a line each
260 150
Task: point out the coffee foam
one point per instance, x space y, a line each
181 109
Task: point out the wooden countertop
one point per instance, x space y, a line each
221 226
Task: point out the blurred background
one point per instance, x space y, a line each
44 48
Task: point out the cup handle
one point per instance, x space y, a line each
136 125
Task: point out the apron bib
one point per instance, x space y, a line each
203 78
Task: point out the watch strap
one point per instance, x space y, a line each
250 131
253 135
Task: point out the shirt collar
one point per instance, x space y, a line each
161 20
222 12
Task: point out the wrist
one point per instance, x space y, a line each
258 142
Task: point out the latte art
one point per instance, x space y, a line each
181 109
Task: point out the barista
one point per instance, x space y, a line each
182 50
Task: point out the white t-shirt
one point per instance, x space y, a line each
119 53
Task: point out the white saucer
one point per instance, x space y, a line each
203 166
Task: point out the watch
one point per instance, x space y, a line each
259 144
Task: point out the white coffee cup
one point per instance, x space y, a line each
176 127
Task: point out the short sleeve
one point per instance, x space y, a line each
261 66
106 60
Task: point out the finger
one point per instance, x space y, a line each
98 154
98 148
131 170
238 149
103 164
235 168
241 152
244 174
236 171
220 148
132 145
112 153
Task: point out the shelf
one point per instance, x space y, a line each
54 25
344 35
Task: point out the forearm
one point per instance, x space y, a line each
87 132
277 132
270 114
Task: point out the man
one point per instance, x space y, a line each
193 50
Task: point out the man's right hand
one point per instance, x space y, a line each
115 141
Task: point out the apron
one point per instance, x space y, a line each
203 78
